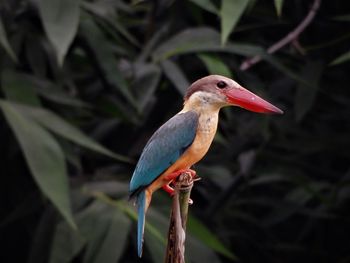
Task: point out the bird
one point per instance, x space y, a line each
185 138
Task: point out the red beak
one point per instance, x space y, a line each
248 100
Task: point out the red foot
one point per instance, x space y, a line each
167 188
177 173
171 177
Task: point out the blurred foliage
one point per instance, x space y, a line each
85 83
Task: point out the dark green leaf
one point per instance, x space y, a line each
36 56
200 231
54 93
23 210
215 65
341 59
60 97
131 213
60 19
102 12
197 252
44 157
278 6
305 95
175 75
59 126
106 60
155 242
206 5
230 13
115 240
201 39
269 179
188 41
95 226
40 248
112 188
17 87
66 244
5 43
146 81
345 18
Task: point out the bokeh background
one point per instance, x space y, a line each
84 84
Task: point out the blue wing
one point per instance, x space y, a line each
163 149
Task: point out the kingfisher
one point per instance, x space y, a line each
185 138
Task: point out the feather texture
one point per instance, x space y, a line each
141 206
163 149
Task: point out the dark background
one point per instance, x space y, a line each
76 75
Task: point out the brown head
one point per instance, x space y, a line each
221 91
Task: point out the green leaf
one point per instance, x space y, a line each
60 19
201 39
5 43
268 179
200 231
22 210
17 87
66 244
40 249
146 81
215 65
206 5
230 13
109 20
35 55
107 62
188 41
278 6
175 75
56 124
305 95
197 252
341 59
59 96
345 18
117 189
95 226
44 157
205 39
53 92
125 206
115 240
156 246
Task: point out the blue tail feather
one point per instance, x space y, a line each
141 205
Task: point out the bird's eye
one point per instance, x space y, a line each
221 84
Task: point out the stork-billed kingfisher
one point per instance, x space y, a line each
184 139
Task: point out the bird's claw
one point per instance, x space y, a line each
176 174
167 188
171 191
173 176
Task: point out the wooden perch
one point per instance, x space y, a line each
175 252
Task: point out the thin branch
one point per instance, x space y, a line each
175 252
292 36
